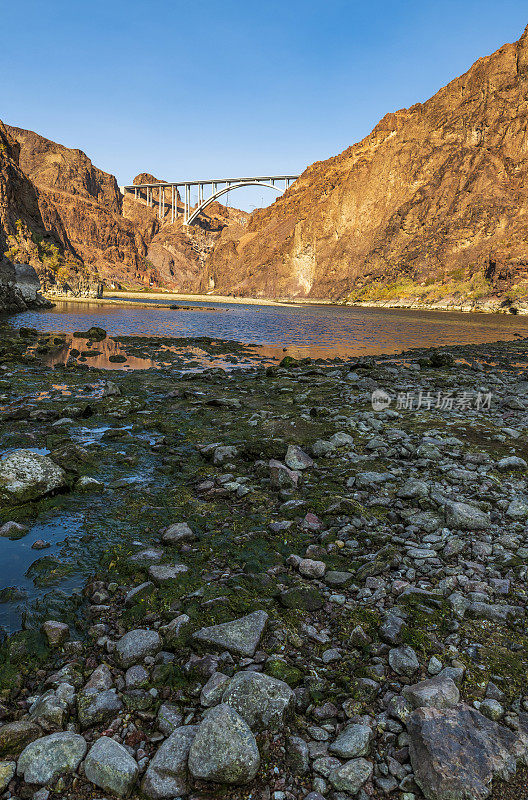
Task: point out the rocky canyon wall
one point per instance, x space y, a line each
69 220
430 208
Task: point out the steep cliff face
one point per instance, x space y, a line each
431 206
89 205
19 215
97 236
176 253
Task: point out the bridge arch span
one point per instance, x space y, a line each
203 205
144 192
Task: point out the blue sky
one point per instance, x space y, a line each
196 89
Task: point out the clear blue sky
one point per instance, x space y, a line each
196 89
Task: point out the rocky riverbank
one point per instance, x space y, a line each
19 288
296 594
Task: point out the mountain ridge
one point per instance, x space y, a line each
430 206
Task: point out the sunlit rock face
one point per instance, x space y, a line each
431 206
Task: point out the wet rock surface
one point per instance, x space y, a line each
350 621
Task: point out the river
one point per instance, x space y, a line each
317 331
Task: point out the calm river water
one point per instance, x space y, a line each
317 330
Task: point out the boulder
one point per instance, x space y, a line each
311 569
13 530
404 660
224 453
464 517
166 573
7 773
438 692
45 759
297 459
224 749
169 718
353 741
56 632
110 767
351 776
263 702
14 736
135 645
25 476
281 476
178 532
139 593
213 690
49 711
241 636
457 752
95 706
167 774
100 679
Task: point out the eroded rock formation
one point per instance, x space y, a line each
431 206
70 221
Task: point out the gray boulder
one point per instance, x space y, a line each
45 759
169 718
438 692
110 767
139 593
178 532
101 678
391 628
135 645
224 453
297 458
25 476
224 749
167 774
464 517
213 690
14 736
457 752
263 702
94 706
241 636
49 711
511 462
166 573
404 660
350 777
352 742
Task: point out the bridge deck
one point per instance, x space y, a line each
208 181
190 212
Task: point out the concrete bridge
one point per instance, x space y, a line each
217 187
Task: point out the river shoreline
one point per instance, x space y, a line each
364 550
135 299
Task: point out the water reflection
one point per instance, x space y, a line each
316 330
102 355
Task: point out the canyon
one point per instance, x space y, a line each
430 209
68 220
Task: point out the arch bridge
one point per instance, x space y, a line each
216 186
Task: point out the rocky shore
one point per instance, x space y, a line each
19 288
310 577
